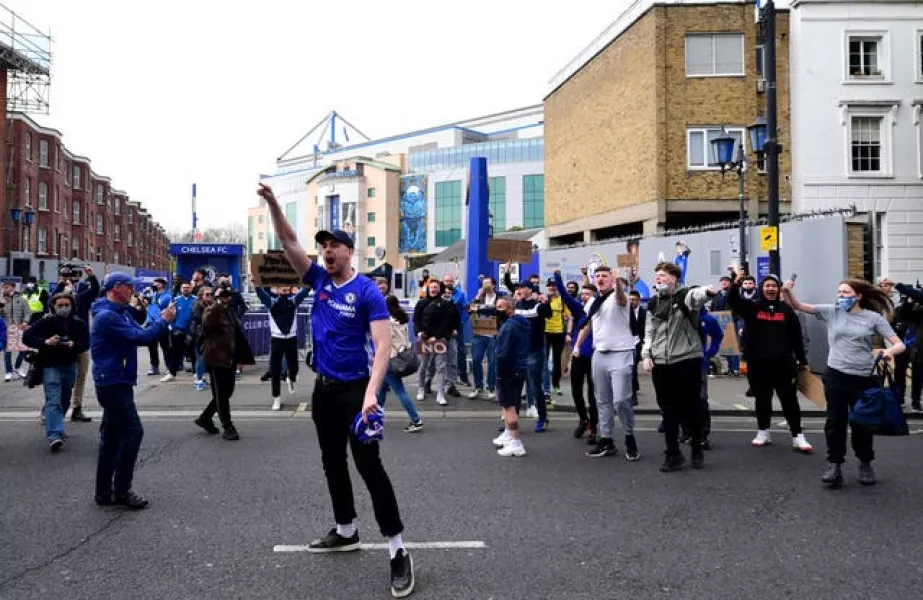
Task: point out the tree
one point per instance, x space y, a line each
232 233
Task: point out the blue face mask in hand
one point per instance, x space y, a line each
846 303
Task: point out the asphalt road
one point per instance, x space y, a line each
753 523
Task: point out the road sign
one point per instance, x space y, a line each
769 239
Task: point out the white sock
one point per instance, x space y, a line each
348 530
517 443
394 544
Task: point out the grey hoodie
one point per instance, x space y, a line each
15 309
674 339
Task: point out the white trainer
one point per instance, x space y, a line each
421 395
8 377
291 387
491 395
532 413
474 393
277 403
22 374
503 439
167 377
512 450
440 399
761 439
800 444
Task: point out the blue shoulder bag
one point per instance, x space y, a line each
877 409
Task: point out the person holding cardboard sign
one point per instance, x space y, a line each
435 318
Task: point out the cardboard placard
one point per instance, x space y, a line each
812 387
483 325
730 345
273 269
517 251
14 339
437 347
627 261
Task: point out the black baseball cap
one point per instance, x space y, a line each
337 235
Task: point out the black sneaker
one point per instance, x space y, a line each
334 542
916 406
673 462
56 445
867 474
749 393
684 438
631 448
833 475
698 456
402 579
207 424
660 427
464 381
706 444
77 416
103 500
591 437
130 500
266 376
581 429
453 392
605 447
230 434
414 427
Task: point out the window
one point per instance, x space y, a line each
715 55
533 201
865 57
259 235
42 195
76 212
370 241
919 56
261 219
57 205
27 191
371 192
27 239
714 259
370 218
371 263
42 241
497 203
760 59
99 223
115 257
43 153
27 146
75 248
99 194
700 155
448 212
99 254
131 238
118 205
76 176
291 213
115 233
865 144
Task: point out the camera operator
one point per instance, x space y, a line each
85 291
158 298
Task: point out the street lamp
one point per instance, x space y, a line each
724 155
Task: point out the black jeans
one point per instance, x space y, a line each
554 343
280 348
843 391
901 364
635 384
580 370
334 405
177 351
781 375
120 438
164 344
678 387
223 382
916 372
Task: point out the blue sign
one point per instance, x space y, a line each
762 267
207 249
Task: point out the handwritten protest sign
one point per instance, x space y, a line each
517 251
437 347
484 325
730 345
14 340
273 269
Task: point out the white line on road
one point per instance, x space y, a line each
473 545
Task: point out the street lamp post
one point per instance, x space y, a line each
772 147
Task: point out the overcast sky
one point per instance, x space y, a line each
161 95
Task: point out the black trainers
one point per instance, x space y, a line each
230 434
631 448
660 427
130 500
581 429
698 456
414 427
916 406
833 475
673 462
334 542
867 474
605 447
706 444
453 391
77 416
266 376
591 437
207 424
402 580
56 445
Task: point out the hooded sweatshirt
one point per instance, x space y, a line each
773 328
513 345
670 336
579 312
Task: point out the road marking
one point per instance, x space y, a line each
303 407
473 545
741 407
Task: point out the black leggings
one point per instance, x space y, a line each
580 369
164 343
779 375
843 391
223 381
554 343
280 348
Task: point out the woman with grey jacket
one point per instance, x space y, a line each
15 312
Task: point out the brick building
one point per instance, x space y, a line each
628 121
78 215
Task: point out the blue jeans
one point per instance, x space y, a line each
8 360
734 364
484 345
534 392
199 365
546 372
58 383
396 385
120 438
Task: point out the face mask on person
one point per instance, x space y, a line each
660 287
30 287
846 303
63 311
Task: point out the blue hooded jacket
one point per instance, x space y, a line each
114 342
576 309
513 345
710 330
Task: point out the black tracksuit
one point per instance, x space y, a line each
774 344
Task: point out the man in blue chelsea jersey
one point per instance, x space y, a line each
349 319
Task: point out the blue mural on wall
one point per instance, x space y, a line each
413 214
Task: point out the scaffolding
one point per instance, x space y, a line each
25 54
